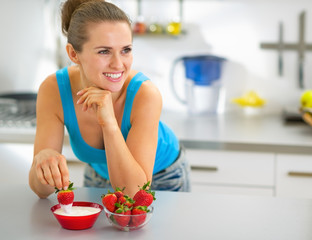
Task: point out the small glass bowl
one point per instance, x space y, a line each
134 221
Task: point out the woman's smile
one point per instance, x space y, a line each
114 77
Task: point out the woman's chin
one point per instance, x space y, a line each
114 89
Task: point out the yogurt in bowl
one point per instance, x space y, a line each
78 211
83 215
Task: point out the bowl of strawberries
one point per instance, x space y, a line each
126 213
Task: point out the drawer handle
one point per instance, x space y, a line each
299 174
203 168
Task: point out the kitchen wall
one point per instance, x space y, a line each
232 29
21 40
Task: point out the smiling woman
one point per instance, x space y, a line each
111 111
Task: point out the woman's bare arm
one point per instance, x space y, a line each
49 168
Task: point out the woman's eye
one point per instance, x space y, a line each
104 52
127 50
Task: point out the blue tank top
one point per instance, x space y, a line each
167 145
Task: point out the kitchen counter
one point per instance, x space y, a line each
176 216
230 131
235 131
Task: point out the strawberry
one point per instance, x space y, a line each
144 197
109 201
140 211
119 192
123 215
126 200
65 197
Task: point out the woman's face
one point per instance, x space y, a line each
106 57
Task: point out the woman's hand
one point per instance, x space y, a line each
51 168
100 101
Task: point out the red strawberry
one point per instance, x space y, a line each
144 197
123 217
140 211
109 201
126 200
65 197
119 192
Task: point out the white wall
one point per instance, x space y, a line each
21 43
27 43
233 29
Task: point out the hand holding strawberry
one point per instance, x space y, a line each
66 197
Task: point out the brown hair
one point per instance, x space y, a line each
77 14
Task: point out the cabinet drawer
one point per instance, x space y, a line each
294 176
220 167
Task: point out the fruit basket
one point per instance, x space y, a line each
129 222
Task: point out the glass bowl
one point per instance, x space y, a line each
129 222
77 222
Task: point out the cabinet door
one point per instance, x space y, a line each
294 176
232 172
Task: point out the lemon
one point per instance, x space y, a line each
250 99
306 99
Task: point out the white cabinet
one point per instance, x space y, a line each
76 172
251 173
232 172
294 176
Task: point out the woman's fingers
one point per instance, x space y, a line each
53 171
82 98
91 100
99 101
82 91
47 174
56 176
59 171
64 172
40 175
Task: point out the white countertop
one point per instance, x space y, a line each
235 131
230 131
176 216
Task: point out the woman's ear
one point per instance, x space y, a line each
72 54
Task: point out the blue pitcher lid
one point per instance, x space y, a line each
203 69
204 57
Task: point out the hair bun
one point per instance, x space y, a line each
77 14
68 8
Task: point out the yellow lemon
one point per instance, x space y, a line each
250 99
306 99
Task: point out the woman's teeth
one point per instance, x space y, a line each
113 75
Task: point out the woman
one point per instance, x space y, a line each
111 112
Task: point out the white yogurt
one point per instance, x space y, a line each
67 208
78 211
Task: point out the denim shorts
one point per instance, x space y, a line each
176 177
